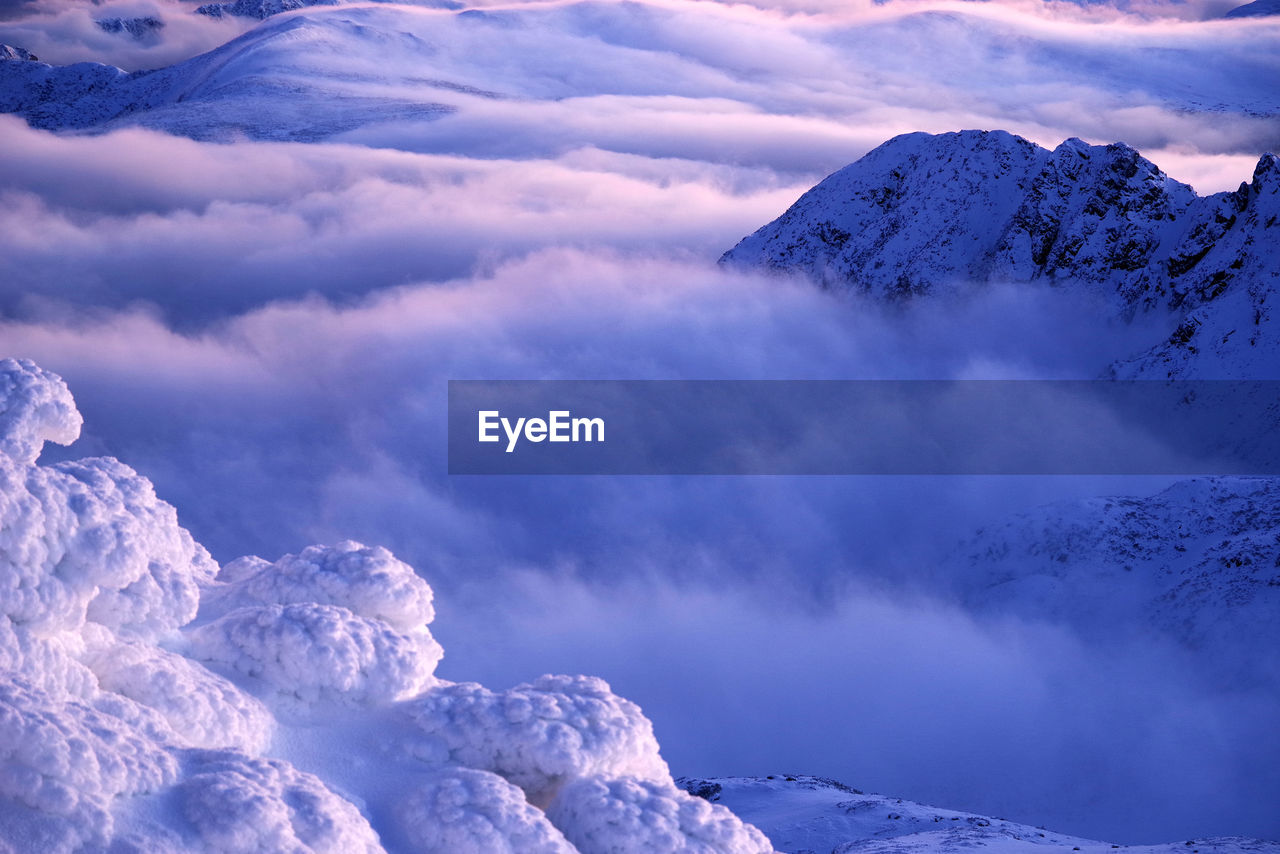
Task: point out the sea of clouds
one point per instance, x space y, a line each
265 330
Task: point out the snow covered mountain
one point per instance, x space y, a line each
1256 9
278 81
1198 563
926 214
814 815
259 9
140 28
263 9
9 52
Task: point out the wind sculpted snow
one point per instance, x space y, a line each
128 721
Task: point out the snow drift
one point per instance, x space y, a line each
151 701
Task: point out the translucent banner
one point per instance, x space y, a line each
839 427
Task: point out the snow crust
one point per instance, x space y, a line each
542 734
35 407
153 702
631 816
319 653
463 809
236 803
368 582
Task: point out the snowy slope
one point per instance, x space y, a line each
321 71
1256 9
926 214
918 213
9 52
312 74
1199 563
279 81
813 815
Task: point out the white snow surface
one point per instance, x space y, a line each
628 816
35 407
543 734
463 809
368 582
813 815
319 653
150 702
236 803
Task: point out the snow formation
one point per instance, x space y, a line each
152 702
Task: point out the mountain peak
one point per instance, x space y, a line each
8 51
901 220
1266 172
1256 9
927 212
924 214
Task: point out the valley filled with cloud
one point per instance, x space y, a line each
257 265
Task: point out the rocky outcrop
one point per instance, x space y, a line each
140 28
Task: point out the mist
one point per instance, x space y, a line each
798 620
1011 718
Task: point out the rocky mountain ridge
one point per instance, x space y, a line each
927 214
1197 563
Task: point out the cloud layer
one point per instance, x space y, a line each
265 330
